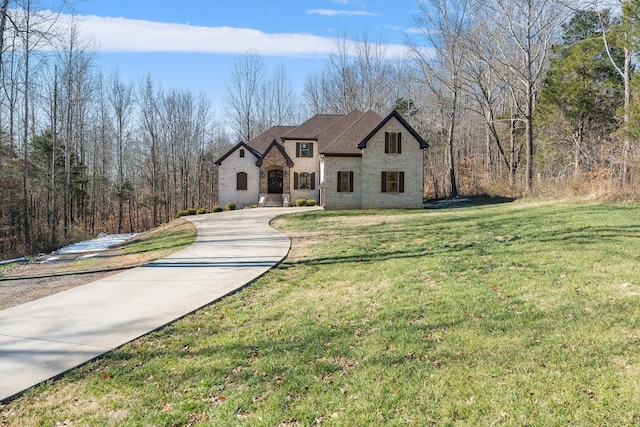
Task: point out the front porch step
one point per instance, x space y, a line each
273 201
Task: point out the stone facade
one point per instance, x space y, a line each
274 160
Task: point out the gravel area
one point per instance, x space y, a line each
43 279
21 283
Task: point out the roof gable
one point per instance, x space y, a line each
236 147
275 145
261 142
403 122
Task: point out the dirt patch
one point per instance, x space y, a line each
37 279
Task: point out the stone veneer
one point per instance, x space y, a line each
273 160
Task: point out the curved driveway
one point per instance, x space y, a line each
42 339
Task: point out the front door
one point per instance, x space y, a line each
275 181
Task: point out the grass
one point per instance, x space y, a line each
167 239
512 314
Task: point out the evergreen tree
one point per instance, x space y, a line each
582 87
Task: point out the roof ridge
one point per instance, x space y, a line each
291 135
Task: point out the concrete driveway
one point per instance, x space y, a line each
42 339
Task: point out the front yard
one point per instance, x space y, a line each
521 313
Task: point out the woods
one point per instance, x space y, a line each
516 97
83 152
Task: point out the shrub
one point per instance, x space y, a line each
306 202
201 211
217 208
231 206
185 212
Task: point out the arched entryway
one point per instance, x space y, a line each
275 181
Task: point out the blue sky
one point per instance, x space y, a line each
191 44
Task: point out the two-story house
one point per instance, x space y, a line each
354 161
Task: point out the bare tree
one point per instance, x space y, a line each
121 102
376 74
526 30
358 76
34 28
444 24
75 59
277 102
489 81
242 95
149 109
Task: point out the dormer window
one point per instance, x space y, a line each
304 149
241 153
393 142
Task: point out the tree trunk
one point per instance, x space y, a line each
513 163
54 193
25 148
453 188
627 112
3 23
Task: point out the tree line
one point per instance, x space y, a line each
514 96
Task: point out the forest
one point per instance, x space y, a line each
515 97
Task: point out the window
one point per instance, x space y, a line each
345 182
392 182
304 149
304 181
393 142
241 181
241 153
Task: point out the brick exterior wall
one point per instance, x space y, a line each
367 174
227 181
304 164
375 161
331 198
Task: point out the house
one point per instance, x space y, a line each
354 161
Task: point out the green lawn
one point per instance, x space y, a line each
509 314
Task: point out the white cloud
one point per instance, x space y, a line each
128 35
332 12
